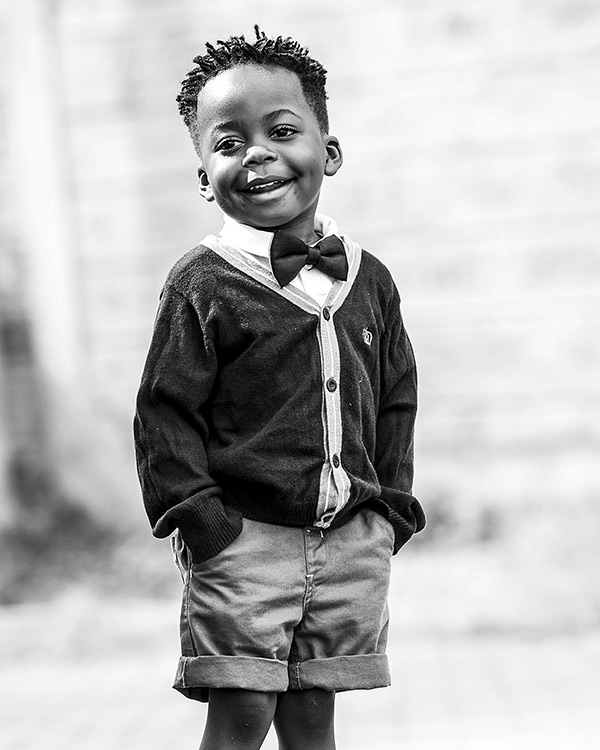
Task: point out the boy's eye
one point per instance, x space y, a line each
228 144
283 131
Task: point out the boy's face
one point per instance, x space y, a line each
262 153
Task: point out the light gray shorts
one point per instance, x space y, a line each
288 609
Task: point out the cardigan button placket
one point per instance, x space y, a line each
337 484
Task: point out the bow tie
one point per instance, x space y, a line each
289 255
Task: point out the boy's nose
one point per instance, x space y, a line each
258 155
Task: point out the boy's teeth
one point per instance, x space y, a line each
265 185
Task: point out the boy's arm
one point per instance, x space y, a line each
395 430
171 433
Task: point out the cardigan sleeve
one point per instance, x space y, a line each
394 454
171 431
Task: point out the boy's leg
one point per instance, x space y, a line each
304 720
237 719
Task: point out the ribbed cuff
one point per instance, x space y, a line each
404 513
206 525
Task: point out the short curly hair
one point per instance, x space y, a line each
279 52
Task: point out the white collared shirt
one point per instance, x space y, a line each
256 243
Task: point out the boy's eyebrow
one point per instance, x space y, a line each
278 113
229 125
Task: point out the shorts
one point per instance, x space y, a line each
285 608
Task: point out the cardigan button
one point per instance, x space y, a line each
331 385
335 460
326 313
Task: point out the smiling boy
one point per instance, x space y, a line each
275 416
262 152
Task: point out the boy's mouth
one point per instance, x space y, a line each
264 185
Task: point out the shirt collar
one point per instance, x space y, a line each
258 242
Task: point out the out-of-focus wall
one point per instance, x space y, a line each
471 133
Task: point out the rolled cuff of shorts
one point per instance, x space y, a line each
197 674
339 673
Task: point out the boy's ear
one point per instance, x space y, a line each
333 155
204 187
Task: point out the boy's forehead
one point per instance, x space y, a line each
249 89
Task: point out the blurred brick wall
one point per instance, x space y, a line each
471 133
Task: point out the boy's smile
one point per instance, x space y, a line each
263 155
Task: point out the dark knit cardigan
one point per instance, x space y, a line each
257 403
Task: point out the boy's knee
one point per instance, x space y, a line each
254 709
304 720
243 714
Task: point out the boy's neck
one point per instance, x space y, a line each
303 228
322 226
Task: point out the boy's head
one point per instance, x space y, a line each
257 115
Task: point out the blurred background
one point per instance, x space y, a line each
471 134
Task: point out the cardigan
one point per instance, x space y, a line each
255 402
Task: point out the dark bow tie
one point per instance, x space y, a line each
289 255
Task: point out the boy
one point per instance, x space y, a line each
275 415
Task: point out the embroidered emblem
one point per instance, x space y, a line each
367 336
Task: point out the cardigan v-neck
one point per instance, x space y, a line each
256 244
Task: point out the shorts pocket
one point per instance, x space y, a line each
385 527
230 556
181 554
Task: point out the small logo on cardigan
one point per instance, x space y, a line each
367 336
